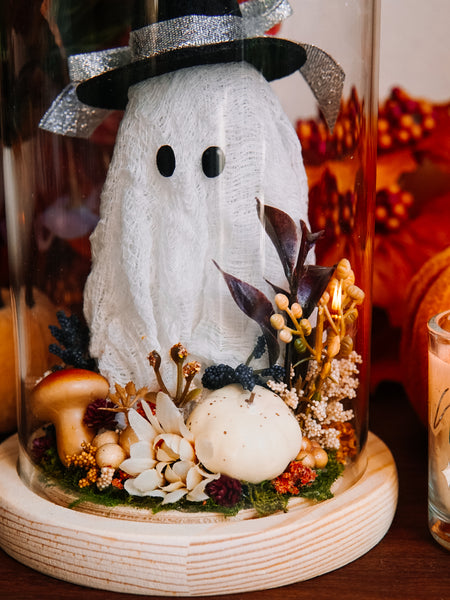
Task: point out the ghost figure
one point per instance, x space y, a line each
153 281
203 137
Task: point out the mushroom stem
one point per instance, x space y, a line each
71 433
62 398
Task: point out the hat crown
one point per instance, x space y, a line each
171 9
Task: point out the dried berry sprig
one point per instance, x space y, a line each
73 338
218 376
336 315
185 374
258 350
85 460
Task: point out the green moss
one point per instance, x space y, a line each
320 488
261 497
265 499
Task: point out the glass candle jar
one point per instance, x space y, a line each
439 428
192 285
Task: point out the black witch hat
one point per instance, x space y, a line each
190 33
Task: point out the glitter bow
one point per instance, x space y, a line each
69 116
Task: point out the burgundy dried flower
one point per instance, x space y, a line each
96 417
225 491
40 445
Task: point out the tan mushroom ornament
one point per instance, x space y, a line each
250 436
61 398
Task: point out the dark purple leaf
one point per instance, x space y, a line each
255 305
308 241
311 286
282 232
277 289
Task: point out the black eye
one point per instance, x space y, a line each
213 161
165 161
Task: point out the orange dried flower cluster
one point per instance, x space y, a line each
85 460
91 477
347 438
118 481
296 475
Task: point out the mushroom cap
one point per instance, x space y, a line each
247 440
67 388
110 455
106 437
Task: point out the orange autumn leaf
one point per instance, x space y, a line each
398 256
391 167
436 146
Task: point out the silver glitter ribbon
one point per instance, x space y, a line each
263 15
184 32
68 116
326 80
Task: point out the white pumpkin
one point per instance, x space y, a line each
250 436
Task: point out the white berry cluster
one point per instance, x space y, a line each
290 396
340 385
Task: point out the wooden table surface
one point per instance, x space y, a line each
407 564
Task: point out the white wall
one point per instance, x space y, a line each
415 47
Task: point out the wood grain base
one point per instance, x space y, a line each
195 559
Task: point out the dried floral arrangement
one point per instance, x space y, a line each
227 437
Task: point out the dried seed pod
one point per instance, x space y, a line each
332 286
326 369
333 345
110 455
306 445
349 280
309 461
300 346
178 353
324 299
343 269
282 301
346 346
320 457
355 293
277 321
352 316
286 336
106 437
306 326
296 310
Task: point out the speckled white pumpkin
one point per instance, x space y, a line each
247 440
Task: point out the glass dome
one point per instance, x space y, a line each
190 209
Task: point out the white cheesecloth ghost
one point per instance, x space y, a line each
153 282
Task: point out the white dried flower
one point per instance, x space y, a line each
163 462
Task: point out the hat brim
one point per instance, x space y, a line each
273 57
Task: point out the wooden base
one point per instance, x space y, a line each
196 559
